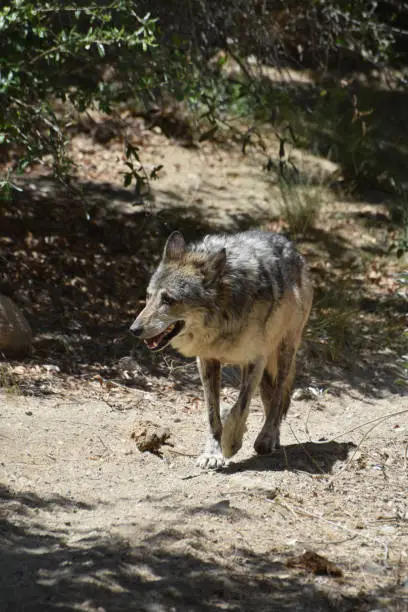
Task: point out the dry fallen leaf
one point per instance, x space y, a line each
317 564
150 437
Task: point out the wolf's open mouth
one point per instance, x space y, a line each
161 340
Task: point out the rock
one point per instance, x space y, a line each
307 393
15 332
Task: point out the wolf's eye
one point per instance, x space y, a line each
167 299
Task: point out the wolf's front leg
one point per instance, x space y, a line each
210 372
234 420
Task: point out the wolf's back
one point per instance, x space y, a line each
260 265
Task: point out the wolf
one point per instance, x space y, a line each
241 299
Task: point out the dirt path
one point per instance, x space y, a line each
90 523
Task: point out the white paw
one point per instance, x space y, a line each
208 461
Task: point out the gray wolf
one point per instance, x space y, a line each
241 299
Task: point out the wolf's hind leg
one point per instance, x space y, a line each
210 373
276 387
234 420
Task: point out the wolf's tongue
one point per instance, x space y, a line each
153 342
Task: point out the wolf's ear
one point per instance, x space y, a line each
175 246
215 266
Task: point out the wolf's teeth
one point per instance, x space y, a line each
151 343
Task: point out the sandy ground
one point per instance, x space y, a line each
89 523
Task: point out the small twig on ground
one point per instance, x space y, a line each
312 459
110 383
191 476
286 457
379 419
376 422
107 448
280 502
172 368
177 452
306 423
335 542
343 528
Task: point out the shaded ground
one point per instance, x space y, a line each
96 252
89 523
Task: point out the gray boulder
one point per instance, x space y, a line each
15 332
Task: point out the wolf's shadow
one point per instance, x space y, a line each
310 457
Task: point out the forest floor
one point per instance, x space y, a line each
90 523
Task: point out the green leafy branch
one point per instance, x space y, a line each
51 51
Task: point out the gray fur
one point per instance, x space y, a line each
257 262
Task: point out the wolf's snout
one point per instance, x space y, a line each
136 328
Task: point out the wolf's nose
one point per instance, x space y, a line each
136 328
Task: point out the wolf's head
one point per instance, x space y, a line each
180 293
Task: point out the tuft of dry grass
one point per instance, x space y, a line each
330 330
300 206
8 380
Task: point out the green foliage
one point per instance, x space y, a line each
137 173
342 128
316 33
102 53
403 282
53 50
362 30
399 214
